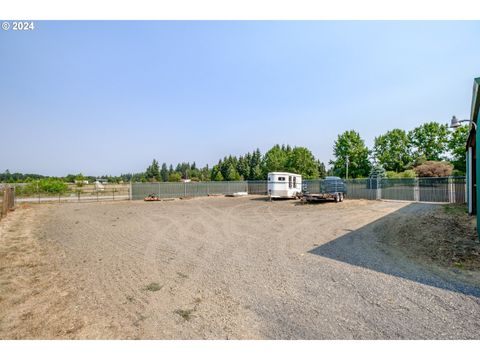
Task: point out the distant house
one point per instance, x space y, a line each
473 168
83 182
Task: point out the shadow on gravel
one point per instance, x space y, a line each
315 203
363 247
266 198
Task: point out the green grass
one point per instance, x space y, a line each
455 209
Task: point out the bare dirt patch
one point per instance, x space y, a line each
445 237
221 268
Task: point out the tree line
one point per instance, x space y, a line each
401 153
397 153
250 166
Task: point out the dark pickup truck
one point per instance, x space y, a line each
332 187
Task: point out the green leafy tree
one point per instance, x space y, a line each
429 141
276 159
47 185
349 145
392 150
457 147
153 171
70 178
301 161
205 173
174 177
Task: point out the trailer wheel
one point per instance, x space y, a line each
337 198
341 197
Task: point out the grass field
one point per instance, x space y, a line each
229 268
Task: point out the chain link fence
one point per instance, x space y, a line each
187 189
442 190
439 189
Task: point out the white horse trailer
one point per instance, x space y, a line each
284 185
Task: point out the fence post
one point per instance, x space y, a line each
113 194
379 188
185 189
416 189
130 196
451 191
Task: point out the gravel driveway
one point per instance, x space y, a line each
223 268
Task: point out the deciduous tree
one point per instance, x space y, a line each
457 147
392 150
349 145
430 141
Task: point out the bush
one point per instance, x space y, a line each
173 177
434 169
51 186
392 174
404 174
408 174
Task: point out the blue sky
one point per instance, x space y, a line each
108 97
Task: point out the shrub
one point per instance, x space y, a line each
408 174
173 177
434 169
51 186
392 174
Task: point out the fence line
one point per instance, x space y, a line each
187 189
74 193
451 189
442 190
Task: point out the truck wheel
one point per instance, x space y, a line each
341 197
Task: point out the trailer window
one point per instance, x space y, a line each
290 182
294 181
281 178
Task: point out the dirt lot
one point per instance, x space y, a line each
227 268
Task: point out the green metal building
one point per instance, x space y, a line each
473 144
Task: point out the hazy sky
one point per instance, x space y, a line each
107 97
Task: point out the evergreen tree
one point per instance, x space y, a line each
153 171
164 172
